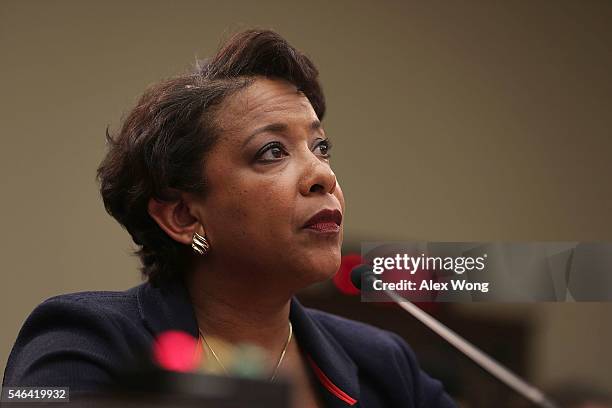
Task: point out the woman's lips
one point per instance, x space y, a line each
326 220
324 227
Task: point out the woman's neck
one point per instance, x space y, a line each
239 311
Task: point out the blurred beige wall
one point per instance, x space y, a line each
451 121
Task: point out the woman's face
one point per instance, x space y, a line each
267 176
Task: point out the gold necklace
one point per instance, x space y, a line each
280 360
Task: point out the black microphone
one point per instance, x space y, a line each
360 271
363 275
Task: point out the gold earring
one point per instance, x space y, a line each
200 244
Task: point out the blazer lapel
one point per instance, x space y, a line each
169 308
335 370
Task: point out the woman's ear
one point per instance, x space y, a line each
174 218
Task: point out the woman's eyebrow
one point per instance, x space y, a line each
279 128
317 127
272 127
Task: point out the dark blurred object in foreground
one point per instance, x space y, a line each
158 388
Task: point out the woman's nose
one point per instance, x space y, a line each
318 178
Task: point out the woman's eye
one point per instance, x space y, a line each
324 146
271 152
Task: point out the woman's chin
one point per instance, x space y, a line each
320 271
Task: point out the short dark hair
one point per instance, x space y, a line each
161 145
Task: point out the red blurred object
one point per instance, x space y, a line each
177 351
342 279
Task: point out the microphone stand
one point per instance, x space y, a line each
483 360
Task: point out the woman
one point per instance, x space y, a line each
223 179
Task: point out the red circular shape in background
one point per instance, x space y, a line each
342 279
177 351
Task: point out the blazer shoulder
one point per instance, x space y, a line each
74 340
84 308
108 300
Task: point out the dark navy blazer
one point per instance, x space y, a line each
82 340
